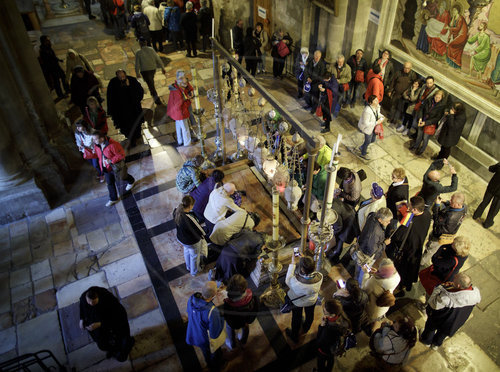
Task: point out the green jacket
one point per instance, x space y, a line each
319 184
324 155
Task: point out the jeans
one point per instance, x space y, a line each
183 133
495 206
192 255
421 138
432 335
231 335
119 22
325 362
359 274
111 183
395 113
354 87
191 47
369 138
95 164
149 78
297 320
407 121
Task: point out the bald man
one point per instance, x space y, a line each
203 319
402 80
448 217
432 187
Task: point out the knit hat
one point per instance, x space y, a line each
230 188
377 191
386 268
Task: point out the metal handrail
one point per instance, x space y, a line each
305 133
23 362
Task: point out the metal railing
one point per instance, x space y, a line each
40 359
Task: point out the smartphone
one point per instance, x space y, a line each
341 283
296 251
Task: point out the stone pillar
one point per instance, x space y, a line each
307 24
360 26
22 64
336 33
12 171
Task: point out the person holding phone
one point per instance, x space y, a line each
353 300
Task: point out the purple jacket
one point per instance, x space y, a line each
201 194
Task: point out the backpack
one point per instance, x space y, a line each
118 7
346 342
141 26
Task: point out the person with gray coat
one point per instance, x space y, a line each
146 63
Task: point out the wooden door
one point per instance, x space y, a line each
262 13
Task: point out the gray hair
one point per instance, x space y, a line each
189 5
461 245
463 280
384 214
340 56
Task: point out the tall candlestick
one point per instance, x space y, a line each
213 27
276 214
231 32
195 82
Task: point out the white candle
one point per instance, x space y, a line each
339 138
276 211
231 32
195 82
213 27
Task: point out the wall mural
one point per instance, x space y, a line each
460 38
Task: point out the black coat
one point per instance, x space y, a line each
354 308
494 184
389 72
330 336
188 231
49 60
355 66
80 88
251 47
239 255
189 26
432 112
452 130
205 20
396 194
445 267
297 68
407 254
315 73
371 239
238 40
124 102
447 220
430 189
241 312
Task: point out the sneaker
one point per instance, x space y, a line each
400 128
405 132
434 347
101 179
110 203
129 186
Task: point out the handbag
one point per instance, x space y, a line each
440 125
289 305
359 76
216 343
283 50
359 257
379 131
88 154
430 129
429 281
345 87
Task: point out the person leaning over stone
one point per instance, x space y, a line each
102 315
146 63
191 235
124 98
448 217
400 83
219 202
349 190
190 176
225 229
359 68
111 156
449 307
492 193
204 320
431 187
304 284
178 107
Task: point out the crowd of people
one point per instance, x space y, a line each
383 242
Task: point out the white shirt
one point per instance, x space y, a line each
225 229
153 14
218 204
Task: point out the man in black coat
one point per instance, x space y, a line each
124 97
407 243
52 70
190 28
398 191
451 130
492 192
342 229
239 40
431 187
313 75
205 19
357 63
102 315
83 85
449 307
239 255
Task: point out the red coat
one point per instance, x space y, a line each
375 86
458 32
112 151
436 44
178 103
101 125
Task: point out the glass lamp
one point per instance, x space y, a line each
269 166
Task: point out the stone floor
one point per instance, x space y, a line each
48 260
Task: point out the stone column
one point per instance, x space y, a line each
12 170
336 32
22 64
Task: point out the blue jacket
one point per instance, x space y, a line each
198 322
172 18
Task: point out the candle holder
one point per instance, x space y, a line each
201 135
213 97
274 296
320 234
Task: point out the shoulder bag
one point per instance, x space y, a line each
429 281
216 343
289 305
